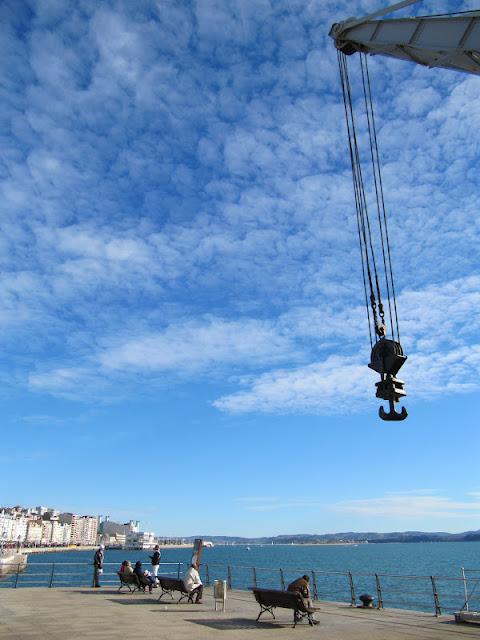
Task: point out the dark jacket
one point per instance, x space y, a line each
98 559
155 558
143 579
301 586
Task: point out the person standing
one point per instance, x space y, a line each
98 565
193 584
155 560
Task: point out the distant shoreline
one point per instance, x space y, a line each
29 550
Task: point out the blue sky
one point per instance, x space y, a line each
180 281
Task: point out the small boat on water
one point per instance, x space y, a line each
11 562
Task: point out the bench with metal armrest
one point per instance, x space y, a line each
170 585
268 599
129 580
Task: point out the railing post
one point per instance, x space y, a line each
465 590
314 582
438 610
16 577
207 575
178 571
229 577
51 575
353 597
254 576
379 592
282 580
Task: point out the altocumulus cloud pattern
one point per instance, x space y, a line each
176 205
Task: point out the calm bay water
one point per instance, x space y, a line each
330 565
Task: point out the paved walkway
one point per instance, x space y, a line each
104 614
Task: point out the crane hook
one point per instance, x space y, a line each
392 414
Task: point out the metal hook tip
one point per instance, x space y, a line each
392 415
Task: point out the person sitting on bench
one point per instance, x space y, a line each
193 584
126 568
145 580
302 586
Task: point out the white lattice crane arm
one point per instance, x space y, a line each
452 42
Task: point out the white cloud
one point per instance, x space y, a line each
260 504
194 346
169 164
411 506
325 387
441 356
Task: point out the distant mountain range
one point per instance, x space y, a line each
349 536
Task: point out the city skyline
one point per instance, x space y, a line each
183 322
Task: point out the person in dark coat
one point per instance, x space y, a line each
155 560
98 565
145 581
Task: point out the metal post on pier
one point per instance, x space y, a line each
51 576
229 577
254 576
16 577
282 580
379 592
465 590
314 582
207 575
438 610
353 597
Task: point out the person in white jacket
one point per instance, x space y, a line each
193 584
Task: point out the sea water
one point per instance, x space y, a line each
403 570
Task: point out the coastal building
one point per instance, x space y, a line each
46 532
86 528
42 525
60 533
34 532
6 526
140 540
13 527
83 529
112 534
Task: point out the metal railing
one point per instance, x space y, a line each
442 594
71 574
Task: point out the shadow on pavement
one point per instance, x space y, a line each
234 624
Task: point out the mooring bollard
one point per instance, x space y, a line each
367 600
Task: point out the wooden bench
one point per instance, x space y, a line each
268 599
170 585
129 580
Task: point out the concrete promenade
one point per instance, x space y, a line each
104 614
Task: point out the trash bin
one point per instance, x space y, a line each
220 593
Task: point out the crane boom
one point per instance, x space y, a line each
451 42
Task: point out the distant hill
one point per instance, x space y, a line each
348 536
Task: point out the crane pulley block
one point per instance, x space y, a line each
387 357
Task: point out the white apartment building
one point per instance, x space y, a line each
6 526
13 527
84 530
47 527
60 533
140 540
34 532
